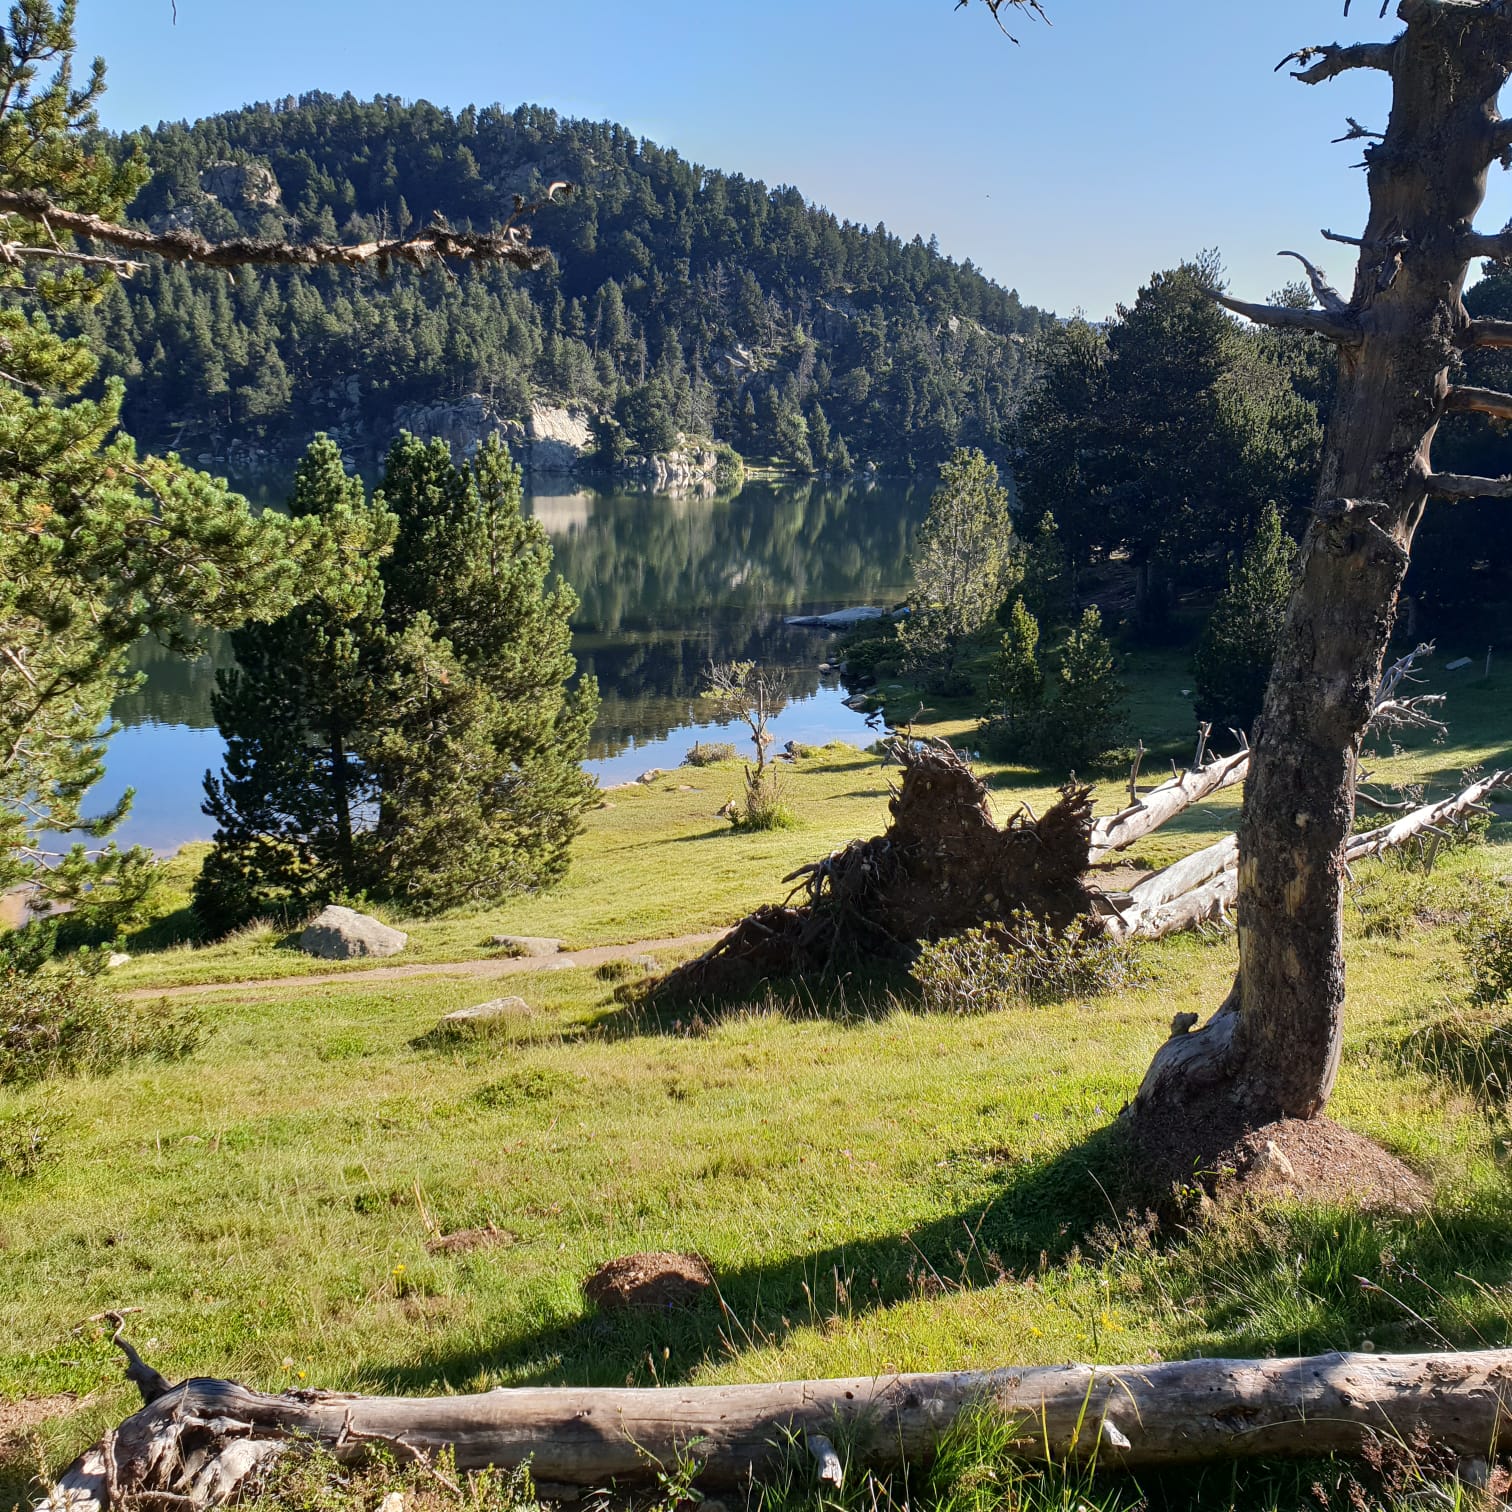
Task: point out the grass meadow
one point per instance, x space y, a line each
876 1188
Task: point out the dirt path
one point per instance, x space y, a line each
595 955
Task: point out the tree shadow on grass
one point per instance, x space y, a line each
1035 1218
868 992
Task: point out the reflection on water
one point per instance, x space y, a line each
667 585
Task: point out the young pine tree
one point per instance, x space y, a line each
1049 588
1233 660
297 711
965 560
1016 686
1087 717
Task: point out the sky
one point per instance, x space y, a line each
1114 142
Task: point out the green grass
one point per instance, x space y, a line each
876 1188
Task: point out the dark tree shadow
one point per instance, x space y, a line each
1035 1218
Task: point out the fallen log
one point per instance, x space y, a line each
1144 816
206 1441
1424 819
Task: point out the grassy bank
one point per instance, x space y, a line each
876 1188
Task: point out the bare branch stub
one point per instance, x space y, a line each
1463 486
1333 60
1323 291
510 243
1462 400
1489 334
1338 326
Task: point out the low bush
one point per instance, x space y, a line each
61 1020
1486 938
763 807
705 753
1023 960
27 1140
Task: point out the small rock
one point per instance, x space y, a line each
486 1013
526 945
646 778
1272 1161
393 1502
117 958
343 934
645 963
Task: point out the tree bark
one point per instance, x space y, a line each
1274 1050
203 1438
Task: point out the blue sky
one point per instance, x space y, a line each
1119 140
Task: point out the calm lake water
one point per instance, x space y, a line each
667 585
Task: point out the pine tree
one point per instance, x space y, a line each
297 711
98 547
964 560
1087 717
1233 660
473 566
1016 686
1048 588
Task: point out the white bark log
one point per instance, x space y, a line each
1183 1412
1118 831
1420 820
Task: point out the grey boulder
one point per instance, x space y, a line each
343 934
526 945
482 1014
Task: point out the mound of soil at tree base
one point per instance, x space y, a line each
652 1280
942 866
1311 1159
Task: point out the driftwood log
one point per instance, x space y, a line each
207 1440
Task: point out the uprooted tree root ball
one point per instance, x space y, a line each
943 865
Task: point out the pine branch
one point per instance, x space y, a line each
438 242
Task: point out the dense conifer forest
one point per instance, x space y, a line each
682 299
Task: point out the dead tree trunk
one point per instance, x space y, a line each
204 1442
1274 1048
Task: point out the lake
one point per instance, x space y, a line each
667 585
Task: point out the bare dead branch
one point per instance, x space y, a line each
1357 132
996 7
1334 60
510 243
1478 401
1323 291
1496 245
1335 326
1489 333
1463 486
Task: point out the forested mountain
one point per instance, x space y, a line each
681 298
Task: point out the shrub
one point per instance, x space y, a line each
709 753
1487 942
763 808
63 1021
26 1140
729 467
1023 960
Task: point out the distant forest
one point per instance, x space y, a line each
681 298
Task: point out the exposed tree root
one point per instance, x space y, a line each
943 865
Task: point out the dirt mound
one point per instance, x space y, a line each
942 866
19 1419
1313 1159
654 1280
464 1240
